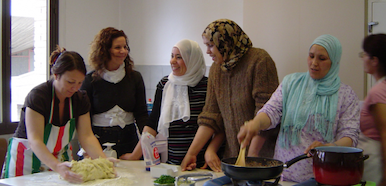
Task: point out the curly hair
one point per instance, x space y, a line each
62 61
100 51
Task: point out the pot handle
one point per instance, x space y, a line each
365 157
294 160
312 152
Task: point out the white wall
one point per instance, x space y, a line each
284 28
153 27
287 28
80 21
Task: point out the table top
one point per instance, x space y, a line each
129 173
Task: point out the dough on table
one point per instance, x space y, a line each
100 168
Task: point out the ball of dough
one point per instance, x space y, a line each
100 168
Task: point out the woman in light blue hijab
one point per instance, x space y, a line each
314 108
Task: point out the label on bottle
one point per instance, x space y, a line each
149 150
149 106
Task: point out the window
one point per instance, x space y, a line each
29 34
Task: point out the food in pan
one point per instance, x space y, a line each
265 163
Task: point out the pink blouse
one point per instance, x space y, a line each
377 94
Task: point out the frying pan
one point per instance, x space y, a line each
267 168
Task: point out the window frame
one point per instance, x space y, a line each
6 125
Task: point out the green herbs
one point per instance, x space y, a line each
163 179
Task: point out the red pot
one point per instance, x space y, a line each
335 165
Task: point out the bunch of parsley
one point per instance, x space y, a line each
164 179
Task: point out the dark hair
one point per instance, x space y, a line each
100 50
62 61
375 46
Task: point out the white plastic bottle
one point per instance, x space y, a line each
149 106
109 151
149 150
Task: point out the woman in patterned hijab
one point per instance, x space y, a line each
230 40
241 80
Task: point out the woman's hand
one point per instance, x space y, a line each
212 160
203 134
247 132
128 156
345 141
114 160
313 145
85 155
188 163
65 172
252 128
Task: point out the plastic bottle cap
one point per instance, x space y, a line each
108 144
109 151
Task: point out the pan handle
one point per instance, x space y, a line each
294 160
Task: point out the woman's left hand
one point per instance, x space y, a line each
64 170
345 141
313 145
213 161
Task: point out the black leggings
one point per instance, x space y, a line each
125 138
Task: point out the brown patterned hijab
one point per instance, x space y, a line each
230 40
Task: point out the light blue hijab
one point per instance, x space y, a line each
309 100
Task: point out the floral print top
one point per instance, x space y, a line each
346 125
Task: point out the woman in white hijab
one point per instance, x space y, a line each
178 101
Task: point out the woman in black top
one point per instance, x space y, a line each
116 92
51 113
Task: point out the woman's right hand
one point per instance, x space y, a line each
188 163
65 172
252 128
128 156
247 132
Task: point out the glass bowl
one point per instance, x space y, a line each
163 184
185 183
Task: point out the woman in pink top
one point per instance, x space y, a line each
373 118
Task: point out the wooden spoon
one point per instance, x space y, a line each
241 158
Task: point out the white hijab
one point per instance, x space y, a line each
175 99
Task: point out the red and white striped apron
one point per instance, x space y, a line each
22 161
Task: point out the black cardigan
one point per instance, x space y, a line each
129 94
